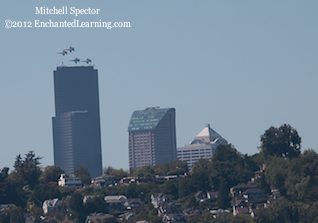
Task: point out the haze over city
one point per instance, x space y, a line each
239 66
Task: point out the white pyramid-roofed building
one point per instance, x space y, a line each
208 134
203 146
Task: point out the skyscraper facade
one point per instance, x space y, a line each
76 125
152 137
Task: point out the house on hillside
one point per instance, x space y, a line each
189 212
218 212
103 181
127 216
241 210
6 206
252 194
70 180
98 217
133 203
207 195
115 203
239 189
121 198
50 205
168 208
87 198
173 218
156 199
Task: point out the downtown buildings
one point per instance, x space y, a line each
76 125
202 147
152 137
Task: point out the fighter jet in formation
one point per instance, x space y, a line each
63 52
76 60
71 49
87 60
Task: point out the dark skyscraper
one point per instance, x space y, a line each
76 125
152 137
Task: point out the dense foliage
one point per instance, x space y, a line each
282 142
293 173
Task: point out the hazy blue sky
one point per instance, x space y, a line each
241 66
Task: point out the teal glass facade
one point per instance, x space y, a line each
152 137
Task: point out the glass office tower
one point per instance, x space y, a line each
76 125
152 137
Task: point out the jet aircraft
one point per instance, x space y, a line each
76 60
71 49
63 52
87 60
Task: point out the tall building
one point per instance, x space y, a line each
152 137
203 146
76 125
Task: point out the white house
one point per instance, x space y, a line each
70 181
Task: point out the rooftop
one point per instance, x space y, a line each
147 119
208 134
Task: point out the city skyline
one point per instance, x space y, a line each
242 66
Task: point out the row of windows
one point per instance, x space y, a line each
184 155
194 150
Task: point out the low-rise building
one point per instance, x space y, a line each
239 189
87 198
206 195
115 203
6 206
98 217
156 199
252 194
50 205
173 218
103 181
128 216
133 203
70 180
218 212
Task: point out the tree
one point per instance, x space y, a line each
277 172
230 165
51 174
27 170
117 173
96 204
223 199
4 185
12 215
200 174
83 173
282 211
174 167
47 191
170 188
146 171
77 207
282 142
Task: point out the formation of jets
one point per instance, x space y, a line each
87 60
71 49
76 60
63 52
